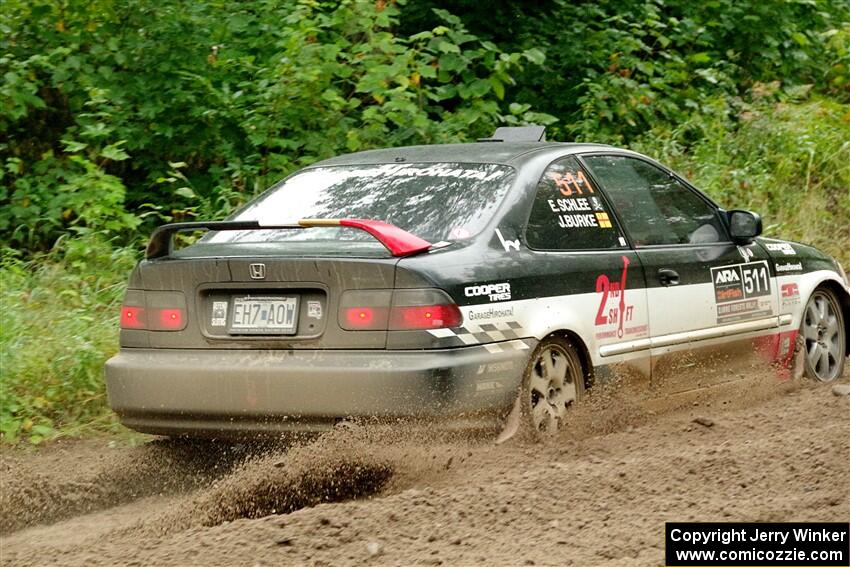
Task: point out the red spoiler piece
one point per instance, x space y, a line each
398 241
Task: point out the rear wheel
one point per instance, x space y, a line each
552 385
823 337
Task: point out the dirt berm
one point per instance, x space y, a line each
598 495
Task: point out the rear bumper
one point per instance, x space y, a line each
231 392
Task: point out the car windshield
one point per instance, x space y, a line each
435 201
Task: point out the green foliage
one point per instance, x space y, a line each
617 68
786 160
239 95
72 193
59 324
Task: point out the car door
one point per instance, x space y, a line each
708 298
583 266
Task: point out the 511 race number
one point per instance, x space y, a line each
740 281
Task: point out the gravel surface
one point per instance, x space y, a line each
753 450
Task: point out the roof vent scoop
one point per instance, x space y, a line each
531 133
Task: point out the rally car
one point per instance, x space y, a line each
461 283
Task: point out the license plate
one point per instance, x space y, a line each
264 315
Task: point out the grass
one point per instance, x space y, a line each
59 325
788 161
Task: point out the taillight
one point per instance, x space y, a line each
132 317
365 318
171 319
425 317
154 310
399 310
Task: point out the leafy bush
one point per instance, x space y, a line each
616 69
231 97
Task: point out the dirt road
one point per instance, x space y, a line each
598 495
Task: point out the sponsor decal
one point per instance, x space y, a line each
789 267
499 336
603 220
614 311
495 292
596 204
738 289
504 366
726 276
219 314
572 183
790 294
577 207
436 170
488 386
740 310
745 253
508 245
314 309
784 247
491 313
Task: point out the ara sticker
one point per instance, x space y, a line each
739 289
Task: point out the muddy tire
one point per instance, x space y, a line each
552 385
823 337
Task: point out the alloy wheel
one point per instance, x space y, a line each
552 388
823 336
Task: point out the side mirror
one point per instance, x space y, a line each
744 226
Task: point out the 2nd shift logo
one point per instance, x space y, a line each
621 312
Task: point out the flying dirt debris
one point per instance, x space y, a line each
775 452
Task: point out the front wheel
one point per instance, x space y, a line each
824 339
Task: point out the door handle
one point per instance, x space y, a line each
668 277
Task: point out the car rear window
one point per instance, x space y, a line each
435 201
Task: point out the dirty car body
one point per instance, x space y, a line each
416 282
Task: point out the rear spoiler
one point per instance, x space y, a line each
399 242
